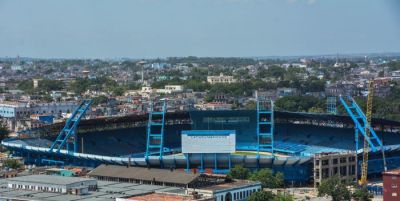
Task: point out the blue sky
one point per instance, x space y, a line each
162 28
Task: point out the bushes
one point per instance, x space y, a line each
266 176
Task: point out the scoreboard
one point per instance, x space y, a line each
208 141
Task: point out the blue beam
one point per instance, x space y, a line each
70 128
357 114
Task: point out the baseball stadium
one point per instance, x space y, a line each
282 141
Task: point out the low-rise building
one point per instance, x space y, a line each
196 186
214 106
236 190
283 92
58 184
140 175
24 110
169 89
328 165
223 79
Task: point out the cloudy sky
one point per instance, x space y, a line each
162 28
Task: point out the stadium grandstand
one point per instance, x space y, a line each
298 137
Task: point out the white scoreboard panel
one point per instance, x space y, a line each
208 141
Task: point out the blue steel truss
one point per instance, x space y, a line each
331 105
155 129
265 126
361 123
70 128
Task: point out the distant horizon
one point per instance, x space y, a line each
394 54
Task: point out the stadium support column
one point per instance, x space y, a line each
265 127
76 144
356 136
187 163
201 163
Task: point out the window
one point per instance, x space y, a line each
343 171
394 185
335 161
343 160
353 170
352 159
325 162
394 194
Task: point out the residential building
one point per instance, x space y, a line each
328 165
169 89
214 106
283 92
224 79
24 110
344 88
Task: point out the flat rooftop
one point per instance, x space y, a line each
141 173
161 196
231 185
47 179
107 191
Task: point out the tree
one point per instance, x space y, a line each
239 172
12 163
3 131
262 196
50 85
283 197
251 105
362 194
335 188
268 179
100 100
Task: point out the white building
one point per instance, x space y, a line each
36 83
19 109
169 89
224 79
55 184
214 106
238 190
16 67
147 89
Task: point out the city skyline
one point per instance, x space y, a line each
222 28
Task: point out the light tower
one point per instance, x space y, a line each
141 64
